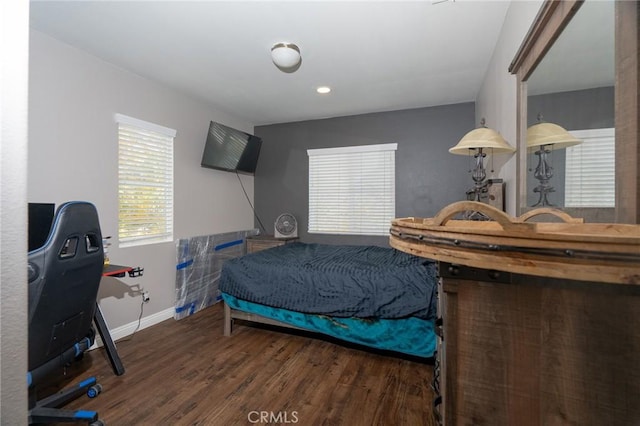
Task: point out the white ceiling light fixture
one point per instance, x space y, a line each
323 90
286 56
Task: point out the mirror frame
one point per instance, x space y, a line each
553 17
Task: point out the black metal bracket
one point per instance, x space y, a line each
136 272
450 270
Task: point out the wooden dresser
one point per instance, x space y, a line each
262 242
540 323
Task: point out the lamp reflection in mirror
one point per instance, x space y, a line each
542 139
478 143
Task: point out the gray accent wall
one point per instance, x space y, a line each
573 110
428 177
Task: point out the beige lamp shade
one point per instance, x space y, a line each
549 134
482 137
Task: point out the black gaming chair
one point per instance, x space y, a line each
64 276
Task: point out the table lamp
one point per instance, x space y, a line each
542 139
478 143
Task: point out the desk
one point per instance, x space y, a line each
112 271
118 271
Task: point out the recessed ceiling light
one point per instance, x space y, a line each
323 89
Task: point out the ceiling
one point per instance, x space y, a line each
375 55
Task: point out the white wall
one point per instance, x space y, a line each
497 100
14 56
73 155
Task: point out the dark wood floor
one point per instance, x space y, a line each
187 373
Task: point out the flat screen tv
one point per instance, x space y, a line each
231 150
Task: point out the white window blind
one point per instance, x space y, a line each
352 189
145 182
590 169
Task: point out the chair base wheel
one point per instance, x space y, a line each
94 390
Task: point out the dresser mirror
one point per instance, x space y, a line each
567 72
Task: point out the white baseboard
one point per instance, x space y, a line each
128 329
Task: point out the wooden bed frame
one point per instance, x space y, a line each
233 314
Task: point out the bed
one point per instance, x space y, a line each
373 296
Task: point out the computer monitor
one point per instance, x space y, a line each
40 221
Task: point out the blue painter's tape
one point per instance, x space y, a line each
78 351
88 382
29 379
190 306
84 414
184 264
229 244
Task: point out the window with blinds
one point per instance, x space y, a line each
352 189
145 182
590 169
